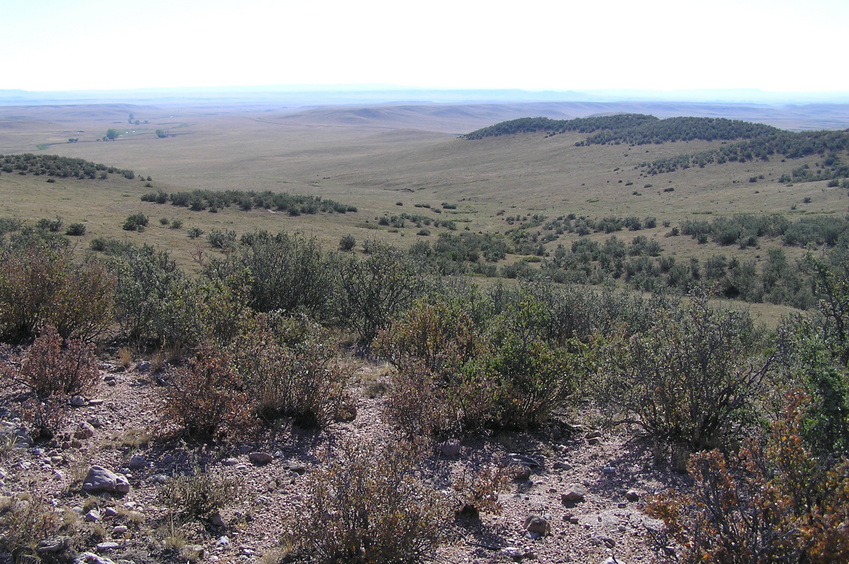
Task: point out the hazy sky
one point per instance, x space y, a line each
773 45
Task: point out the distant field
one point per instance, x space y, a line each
389 160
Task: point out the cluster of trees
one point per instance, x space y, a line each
633 129
744 230
59 167
782 144
753 141
294 204
554 126
682 129
415 220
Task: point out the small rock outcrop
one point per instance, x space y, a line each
260 458
537 525
99 479
576 494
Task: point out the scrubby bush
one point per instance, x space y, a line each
689 379
774 503
24 522
52 225
811 364
430 393
815 351
290 369
477 492
281 272
369 506
207 399
76 229
158 305
135 222
377 288
50 369
199 494
146 279
347 243
41 286
49 373
536 374
455 376
224 240
110 246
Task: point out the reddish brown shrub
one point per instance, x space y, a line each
48 369
774 503
207 398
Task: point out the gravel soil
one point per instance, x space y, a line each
610 475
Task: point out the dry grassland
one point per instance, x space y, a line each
374 159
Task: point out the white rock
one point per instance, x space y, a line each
99 479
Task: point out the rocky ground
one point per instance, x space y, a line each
578 494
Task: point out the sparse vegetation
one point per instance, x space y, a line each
391 387
198 494
367 512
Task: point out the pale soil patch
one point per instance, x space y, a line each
605 524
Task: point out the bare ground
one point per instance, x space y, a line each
616 470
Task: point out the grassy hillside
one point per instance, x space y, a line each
408 180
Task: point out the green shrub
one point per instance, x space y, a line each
369 506
290 369
41 286
110 246
281 272
52 225
76 229
225 240
135 222
146 279
689 379
812 365
377 288
454 376
10 225
157 305
347 243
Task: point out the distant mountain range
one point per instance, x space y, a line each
314 95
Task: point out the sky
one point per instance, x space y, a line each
665 45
